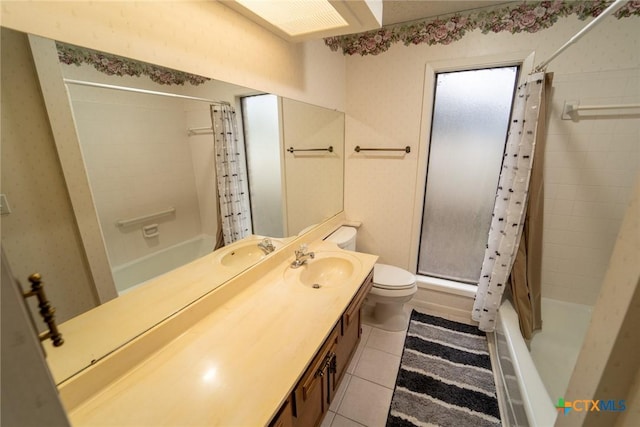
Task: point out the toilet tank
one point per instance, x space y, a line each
344 237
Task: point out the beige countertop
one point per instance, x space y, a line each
235 366
98 332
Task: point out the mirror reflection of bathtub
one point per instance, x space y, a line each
134 273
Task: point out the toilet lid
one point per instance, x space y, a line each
390 277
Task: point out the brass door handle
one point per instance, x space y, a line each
46 310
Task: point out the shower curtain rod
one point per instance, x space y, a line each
145 91
608 11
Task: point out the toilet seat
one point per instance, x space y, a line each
392 278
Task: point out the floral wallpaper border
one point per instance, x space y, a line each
117 66
528 17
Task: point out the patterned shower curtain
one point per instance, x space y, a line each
511 200
234 216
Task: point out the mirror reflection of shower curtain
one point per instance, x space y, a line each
231 175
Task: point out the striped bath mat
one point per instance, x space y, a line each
445 377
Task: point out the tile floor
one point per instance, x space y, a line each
364 396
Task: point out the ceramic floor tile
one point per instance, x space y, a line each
340 421
408 308
390 342
366 403
378 366
328 419
340 393
366 331
356 355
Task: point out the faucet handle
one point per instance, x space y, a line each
302 250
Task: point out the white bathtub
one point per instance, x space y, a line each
534 380
445 298
129 275
448 286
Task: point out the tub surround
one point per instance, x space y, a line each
232 357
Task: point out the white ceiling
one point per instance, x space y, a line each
393 12
396 11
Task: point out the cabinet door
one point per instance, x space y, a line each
351 331
312 395
284 417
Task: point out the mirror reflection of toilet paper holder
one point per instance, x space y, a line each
149 231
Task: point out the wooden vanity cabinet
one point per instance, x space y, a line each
284 418
351 330
317 388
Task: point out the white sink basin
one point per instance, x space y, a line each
244 253
326 270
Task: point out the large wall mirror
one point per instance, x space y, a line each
97 161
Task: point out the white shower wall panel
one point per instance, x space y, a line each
590 167
138 162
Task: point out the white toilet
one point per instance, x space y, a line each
392 286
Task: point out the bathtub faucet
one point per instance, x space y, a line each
267 246
302 256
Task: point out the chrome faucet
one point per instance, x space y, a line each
267 246
302 256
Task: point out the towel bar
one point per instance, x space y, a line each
406 149
571 107
291 149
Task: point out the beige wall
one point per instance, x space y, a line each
314 180
630 417
590 164
202 37
40 234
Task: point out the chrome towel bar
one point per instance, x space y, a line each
292 150
406 149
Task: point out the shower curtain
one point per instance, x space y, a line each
234 216
507 222
525 280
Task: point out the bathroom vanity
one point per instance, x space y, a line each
319 384
267 348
